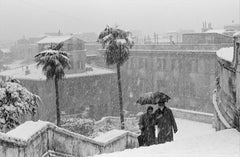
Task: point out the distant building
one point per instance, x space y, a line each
89 37
231 29
206 27
59 33
1 53
173 37
71 44
6 53
25 49
206 38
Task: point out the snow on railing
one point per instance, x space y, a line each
40 137
226 53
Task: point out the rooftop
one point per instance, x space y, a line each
35 73
219 31
54 39
5 50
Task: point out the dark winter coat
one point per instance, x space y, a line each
166 124
147 126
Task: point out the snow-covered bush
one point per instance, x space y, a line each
15 100
81 126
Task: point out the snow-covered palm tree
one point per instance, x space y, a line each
116 43
15 101
53 62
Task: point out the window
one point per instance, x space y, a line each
192 89
79 65
195 66
140 63
173 64
161 64
132 63
70 47
164 64
146 63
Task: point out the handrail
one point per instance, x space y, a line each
221 117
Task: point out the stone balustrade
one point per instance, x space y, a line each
40 139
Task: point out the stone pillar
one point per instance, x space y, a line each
237 54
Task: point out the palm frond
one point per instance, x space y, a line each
117 43
53 63
58 47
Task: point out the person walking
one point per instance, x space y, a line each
165 122
147 127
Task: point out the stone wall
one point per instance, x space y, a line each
95 96
187 76
51 139
182 46
92 49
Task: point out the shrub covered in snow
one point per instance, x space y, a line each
81 126
15 100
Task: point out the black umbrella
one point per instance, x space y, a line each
151 98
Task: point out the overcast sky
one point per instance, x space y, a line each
35 17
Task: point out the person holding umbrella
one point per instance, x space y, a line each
147 127
165 120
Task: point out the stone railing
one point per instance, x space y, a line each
178 113
224 97
182 46
42 139
193 115
167 46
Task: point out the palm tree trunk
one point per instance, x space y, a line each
120 96
57 101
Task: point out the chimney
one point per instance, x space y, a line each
27 71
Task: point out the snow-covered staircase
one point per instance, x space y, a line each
217 144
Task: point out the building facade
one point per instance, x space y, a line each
74 46
206 38
186 76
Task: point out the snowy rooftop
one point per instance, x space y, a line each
219 144
54 39
15 64
37 74
5 50
219 31
226 53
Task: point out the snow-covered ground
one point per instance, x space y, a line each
35 73
188 129
105 137
193 139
